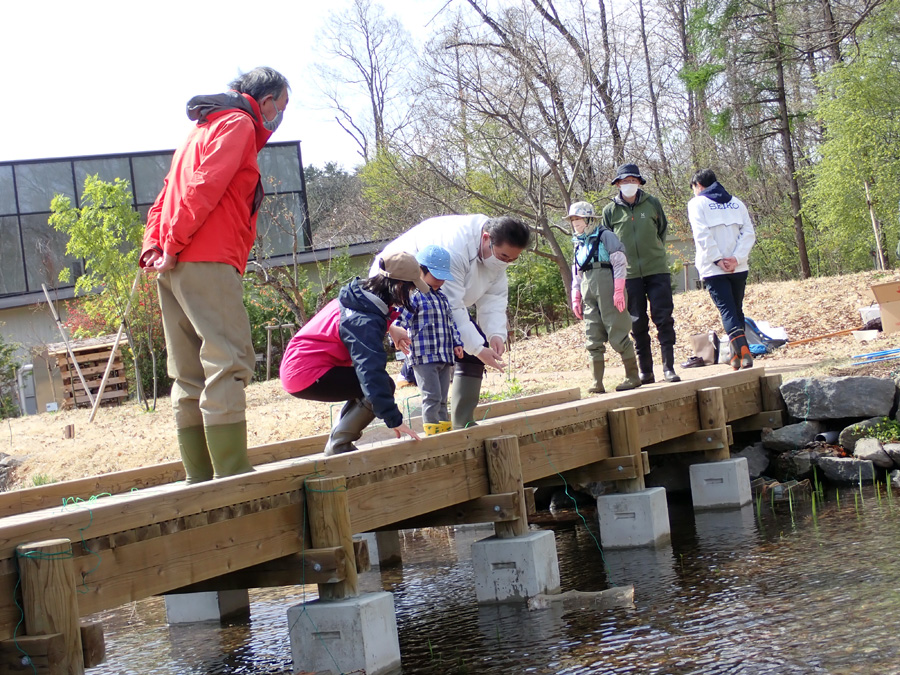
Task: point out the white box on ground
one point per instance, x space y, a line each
721 485
888 298
345 636
515 569
869 313
634 519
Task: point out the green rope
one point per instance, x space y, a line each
533 434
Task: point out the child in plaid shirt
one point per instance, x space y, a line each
433 339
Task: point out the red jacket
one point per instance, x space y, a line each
205 212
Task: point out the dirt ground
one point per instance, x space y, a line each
127 437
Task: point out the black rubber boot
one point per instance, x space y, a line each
645 364
668 359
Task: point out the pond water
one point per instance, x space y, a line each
764 589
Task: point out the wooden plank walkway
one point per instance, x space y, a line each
137 544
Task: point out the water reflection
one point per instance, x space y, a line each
779 591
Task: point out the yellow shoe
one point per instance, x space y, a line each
432 429
445 426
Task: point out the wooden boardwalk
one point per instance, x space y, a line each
169 536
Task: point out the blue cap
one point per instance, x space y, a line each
437 260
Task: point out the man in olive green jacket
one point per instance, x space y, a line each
638 220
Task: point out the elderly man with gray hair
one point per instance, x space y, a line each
481 249
199 233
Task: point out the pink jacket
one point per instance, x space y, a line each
314 350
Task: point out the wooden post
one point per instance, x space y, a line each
328 513
505 475
625 439
93 643
269 330
711 407
770 390
48 596
389 551
46 655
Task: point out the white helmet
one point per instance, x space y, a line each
583 210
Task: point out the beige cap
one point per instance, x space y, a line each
403 267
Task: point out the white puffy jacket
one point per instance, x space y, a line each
473 282
721 230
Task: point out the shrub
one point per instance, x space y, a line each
9 406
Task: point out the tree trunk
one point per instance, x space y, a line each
784 130
654 107
880 258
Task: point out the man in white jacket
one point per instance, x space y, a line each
481 249
723 236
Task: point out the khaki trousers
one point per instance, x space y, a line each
210 353
602 321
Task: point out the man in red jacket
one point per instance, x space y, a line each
199 234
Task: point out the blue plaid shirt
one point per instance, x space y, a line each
432 331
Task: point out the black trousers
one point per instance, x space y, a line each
338 384
471 366
657 290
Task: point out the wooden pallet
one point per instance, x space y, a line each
92 356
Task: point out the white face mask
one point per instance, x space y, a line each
494 263
629 190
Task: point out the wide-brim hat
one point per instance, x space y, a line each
403 266
626 171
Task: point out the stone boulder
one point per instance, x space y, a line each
850 435
795 465
895 478
872 450
828 398
792 436
847 470
893 451
757 459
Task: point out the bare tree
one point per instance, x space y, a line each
369 55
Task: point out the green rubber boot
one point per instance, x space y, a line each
194 454
464 393
228 449
632 374
598 367
356 415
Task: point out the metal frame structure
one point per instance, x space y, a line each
14 210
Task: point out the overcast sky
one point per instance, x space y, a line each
107 76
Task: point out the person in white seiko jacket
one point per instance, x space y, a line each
481 249
723 236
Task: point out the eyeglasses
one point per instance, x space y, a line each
503 257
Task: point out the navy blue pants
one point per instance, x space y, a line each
657 290
727 292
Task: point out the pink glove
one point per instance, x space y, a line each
576 305
619 294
